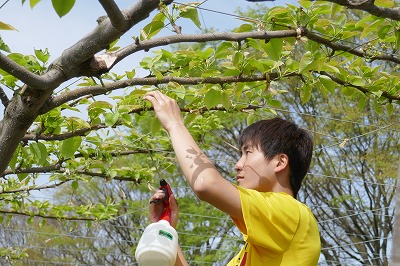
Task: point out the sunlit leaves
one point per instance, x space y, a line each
43 56
69 146
4 46
191 13
62 7
154 27
5 26
274 49
39 152
212 98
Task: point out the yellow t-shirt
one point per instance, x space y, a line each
277 229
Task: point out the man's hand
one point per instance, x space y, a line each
156 209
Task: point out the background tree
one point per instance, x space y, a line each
78 135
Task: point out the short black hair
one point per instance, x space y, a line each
275 136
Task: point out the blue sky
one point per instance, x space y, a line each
41 28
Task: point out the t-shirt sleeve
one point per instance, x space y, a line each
271 219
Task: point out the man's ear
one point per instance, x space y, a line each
282 162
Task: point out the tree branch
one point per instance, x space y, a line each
21 72
72 218
4 98
48 137
34 188
74 61
352 50
205 37
370 7
58 168
100 89
360 88
115 15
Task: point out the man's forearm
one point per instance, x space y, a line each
180 259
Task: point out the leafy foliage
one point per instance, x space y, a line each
97 144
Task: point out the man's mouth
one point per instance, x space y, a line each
239 178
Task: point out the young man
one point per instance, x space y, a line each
275 157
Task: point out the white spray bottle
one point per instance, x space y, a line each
158 245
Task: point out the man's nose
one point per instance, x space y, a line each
239 165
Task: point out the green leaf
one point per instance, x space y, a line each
111 119
356 81
5 26
212 98
192 14
244 28
69 146
155 125
22 176
100 105
383 31
274 49
305 93
226 101
43 56
76 123
75 185
4 46
178 89
305 62
130 74
14 159
62 7
33 3
329 84
151 29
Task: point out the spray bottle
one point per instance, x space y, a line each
158 245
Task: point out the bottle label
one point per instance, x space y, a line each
166 234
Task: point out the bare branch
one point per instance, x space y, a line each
4 98
370 7
115 15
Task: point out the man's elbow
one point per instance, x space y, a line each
203 187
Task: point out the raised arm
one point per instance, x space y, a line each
200 172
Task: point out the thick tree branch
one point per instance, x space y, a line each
115 15
340 47
22 73
23 109
370 7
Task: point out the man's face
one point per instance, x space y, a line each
254 171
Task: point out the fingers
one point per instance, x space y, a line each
158 195
173 203
174 210
156 97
